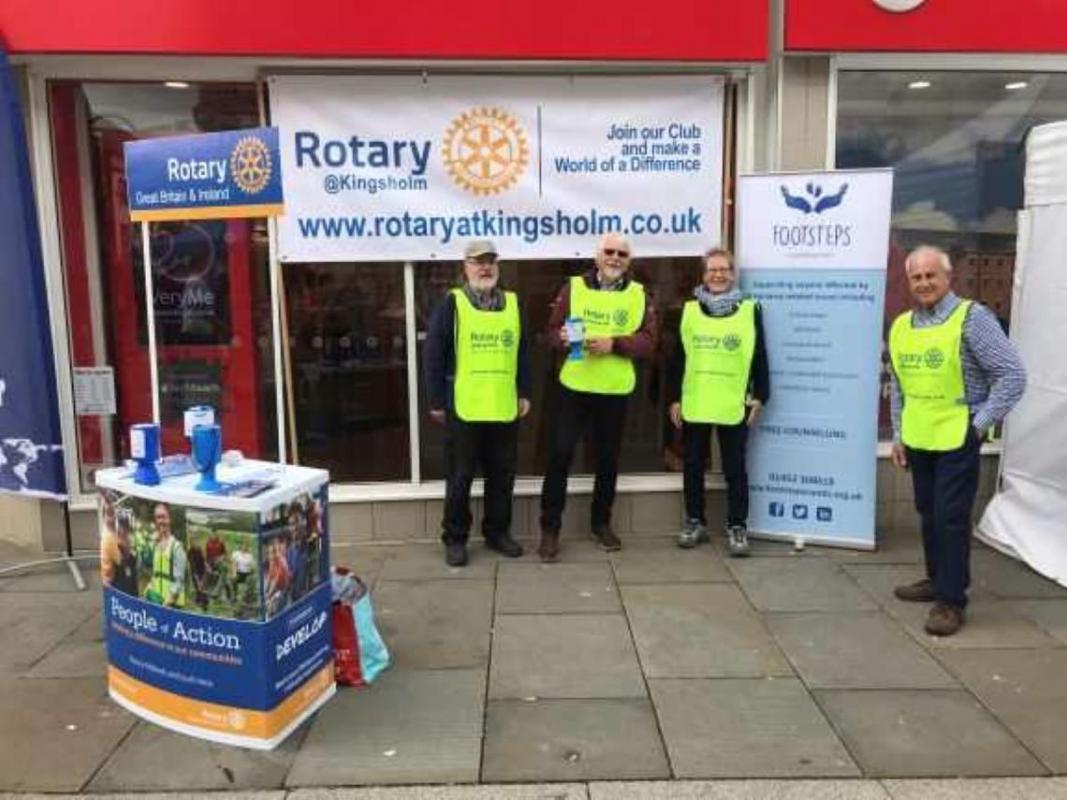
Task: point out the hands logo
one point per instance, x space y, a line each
250 164
815 201
485 150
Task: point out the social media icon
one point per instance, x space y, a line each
824 513
800 511
777 509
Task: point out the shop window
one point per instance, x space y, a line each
955 142
211 280
348 360
650 444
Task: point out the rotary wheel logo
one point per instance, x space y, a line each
250 165
507 338
621 317
731 342
485 150
237 719
933 358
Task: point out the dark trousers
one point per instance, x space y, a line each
603 415
733 442
493 445
945 485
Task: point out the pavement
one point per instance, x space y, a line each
648 673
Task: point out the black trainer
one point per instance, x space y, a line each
605 537
505 545
456 554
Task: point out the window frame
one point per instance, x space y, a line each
40 70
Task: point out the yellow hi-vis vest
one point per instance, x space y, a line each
604 314
162 583
718 360
487 358
929 370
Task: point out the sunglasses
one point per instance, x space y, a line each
608 251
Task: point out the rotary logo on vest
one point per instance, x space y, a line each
933 358
481 340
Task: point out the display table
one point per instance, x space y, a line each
217 607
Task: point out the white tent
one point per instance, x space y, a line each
1027 518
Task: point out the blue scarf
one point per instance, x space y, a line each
718 305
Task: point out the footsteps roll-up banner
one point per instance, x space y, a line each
31 453
813 249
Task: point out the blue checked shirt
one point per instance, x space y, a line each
993 374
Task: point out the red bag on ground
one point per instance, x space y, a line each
346 664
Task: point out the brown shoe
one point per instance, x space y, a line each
918 592
549 547
606 538
944 620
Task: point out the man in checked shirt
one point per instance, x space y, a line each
954 376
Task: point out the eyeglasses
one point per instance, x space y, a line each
608 251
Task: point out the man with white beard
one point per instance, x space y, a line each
478 381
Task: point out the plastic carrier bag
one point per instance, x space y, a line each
360 653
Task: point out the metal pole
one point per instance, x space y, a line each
150 317
410 335
72 565
276 332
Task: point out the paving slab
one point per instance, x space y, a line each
420 562
564 655
38 622
906 732
278 795
556 588
1049 615
410 726
438 624
990 623
740 790
55 577
498 791
365 560
978 789
572 740
894 547
662 561
55 732
1026 690
152 759
799 584
746 728
856 651
1007 578
700 631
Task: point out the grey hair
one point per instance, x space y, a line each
625 240
928 250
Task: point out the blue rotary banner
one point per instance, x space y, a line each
205 176
31 453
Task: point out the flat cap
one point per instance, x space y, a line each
479 247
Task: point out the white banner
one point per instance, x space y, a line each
813 249
406 168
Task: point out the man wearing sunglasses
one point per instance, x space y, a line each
478 381
619 326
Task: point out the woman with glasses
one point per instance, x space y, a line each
718 378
